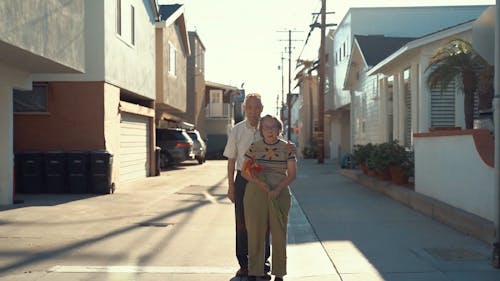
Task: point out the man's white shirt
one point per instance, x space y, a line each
241 137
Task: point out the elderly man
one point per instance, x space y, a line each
242 135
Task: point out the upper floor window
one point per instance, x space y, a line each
199 57
132 25
171 58
125 22
119 17
34 100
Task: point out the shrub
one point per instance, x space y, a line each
361 152
388 154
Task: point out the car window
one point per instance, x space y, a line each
169 135
194 136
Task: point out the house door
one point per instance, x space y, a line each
216 105
134 147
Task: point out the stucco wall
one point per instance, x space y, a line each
74 120
449 168
112 116
174 86
52 29
127 66
112 58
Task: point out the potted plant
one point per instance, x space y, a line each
387 156
361 153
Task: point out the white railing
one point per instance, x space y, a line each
219 110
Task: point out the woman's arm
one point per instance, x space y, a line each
291 171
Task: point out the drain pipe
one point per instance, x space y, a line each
496 126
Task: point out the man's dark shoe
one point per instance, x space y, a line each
266 276
242 272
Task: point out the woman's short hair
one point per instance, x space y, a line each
277 121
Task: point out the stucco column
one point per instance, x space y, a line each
415 93
496 122
424 98
6 146
382 85
395 107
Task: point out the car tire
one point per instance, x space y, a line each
166 161
200 160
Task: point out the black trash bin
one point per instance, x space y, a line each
78 171
55 171
101 162
29 172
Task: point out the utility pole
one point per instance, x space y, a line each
321 91
282 88
289 95
321 88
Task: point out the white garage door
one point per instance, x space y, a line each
134 147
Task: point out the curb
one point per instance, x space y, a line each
461 220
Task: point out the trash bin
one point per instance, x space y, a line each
29 166
78 171
101 162
157 161
55 171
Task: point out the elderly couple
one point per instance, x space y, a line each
265 166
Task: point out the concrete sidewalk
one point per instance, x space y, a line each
369 236
180 226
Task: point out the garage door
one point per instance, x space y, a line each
134 147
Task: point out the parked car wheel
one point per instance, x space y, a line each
166 160
201 160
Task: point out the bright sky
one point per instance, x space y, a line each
245 40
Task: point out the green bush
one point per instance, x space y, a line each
388 154
361 152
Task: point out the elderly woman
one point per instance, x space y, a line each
269 168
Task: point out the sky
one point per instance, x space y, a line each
246 40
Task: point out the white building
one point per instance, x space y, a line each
390 22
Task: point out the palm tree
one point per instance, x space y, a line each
457 59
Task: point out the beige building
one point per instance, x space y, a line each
220 116
195 112
172 51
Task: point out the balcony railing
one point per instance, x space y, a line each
219 110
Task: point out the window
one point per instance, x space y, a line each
132 25
31 101
119 17
171 59
199 57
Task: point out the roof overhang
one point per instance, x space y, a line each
412 45
177 16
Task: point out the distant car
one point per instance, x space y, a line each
200 146
176 146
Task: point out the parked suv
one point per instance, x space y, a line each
200 146
176 146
